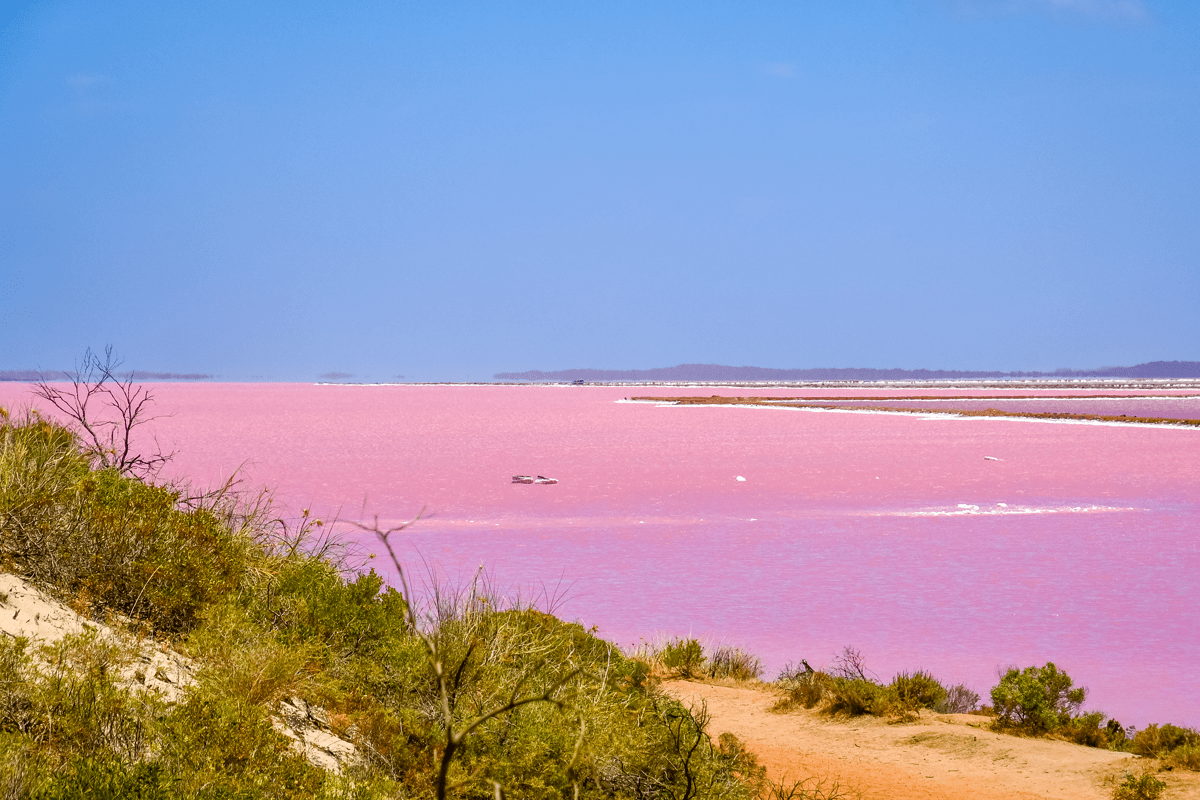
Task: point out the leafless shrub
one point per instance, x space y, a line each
813 788
449 668
105 408
792 672
960 700
851 664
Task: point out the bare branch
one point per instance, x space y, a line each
447 687
104 409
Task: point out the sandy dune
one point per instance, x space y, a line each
28 612
950 757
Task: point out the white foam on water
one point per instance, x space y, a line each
1002 509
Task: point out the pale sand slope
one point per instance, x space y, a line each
28 612
942 757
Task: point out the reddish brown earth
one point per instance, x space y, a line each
940 757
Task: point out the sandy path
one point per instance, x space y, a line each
948 757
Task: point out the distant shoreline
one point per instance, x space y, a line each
709 373
817 403
698 374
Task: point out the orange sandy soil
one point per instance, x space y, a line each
943 756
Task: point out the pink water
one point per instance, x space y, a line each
895 533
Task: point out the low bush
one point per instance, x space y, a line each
683 657
793 672
918 690
1036 699
1139 787
959 700
71 700
1086 729
107 780
107 541
1175 746
733 662
850 691
1184 757
806 689
855 697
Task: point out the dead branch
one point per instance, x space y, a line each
456 735
105 408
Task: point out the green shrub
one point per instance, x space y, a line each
806 690
226 747
1037 699
106 541
918 690
1156 740
1139 787
855 697
311 600
1086 729
247 662
107 780
683 657
732 662
1176 746
22 767
74 702
637 675
1186 756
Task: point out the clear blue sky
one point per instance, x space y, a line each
447 190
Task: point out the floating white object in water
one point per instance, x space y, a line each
542 479
740 478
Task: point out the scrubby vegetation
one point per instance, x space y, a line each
689 658
848 688
1034 701
470 696
463 694
734 663
1139 787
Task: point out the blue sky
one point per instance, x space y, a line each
448 190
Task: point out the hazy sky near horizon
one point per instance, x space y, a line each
448 190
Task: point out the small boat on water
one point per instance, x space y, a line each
542 479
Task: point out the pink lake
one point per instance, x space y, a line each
954 545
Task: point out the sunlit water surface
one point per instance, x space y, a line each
949 544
